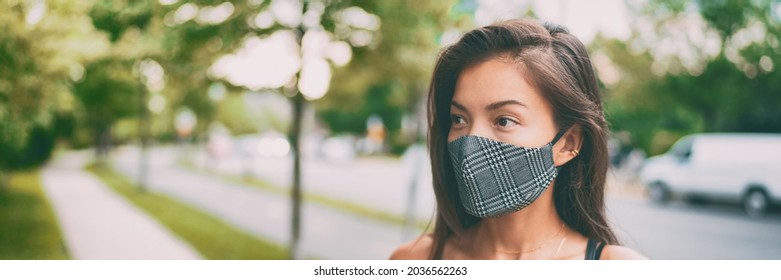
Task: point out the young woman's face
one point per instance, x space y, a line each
493 100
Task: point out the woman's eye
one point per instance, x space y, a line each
457 120
505 122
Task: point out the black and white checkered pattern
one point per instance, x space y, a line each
496 178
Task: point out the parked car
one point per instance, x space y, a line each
744 168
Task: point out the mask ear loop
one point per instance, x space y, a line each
556 139
558 136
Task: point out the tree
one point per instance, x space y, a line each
190 40
104 92
700 66
39 59
390 77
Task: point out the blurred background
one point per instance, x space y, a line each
295 129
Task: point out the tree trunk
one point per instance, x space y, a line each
294 137
102 143
143 133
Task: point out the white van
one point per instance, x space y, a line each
742 168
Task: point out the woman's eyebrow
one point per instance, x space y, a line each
497 105
457 105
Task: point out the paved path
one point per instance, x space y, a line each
99 224
326 233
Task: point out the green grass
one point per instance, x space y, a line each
213 238
334 203
28 227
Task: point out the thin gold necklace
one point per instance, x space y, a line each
559 249
544 244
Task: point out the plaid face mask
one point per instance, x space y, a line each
496 178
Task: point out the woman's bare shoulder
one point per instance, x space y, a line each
417 249
615 252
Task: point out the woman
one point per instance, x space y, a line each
518 149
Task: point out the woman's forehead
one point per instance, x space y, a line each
494 81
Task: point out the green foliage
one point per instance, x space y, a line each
379 100
36 56
737 90
109 91
390 77
30 230
186 50
729 16
233 114
37 150
116 18
399 58
75 67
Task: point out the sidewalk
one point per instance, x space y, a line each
326 233
99 224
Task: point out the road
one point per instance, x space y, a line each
681 231
675 231
382 183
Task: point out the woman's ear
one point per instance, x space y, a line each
568 147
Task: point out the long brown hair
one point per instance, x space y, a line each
557 64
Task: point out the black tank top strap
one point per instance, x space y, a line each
594 249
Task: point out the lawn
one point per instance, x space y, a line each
28 227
